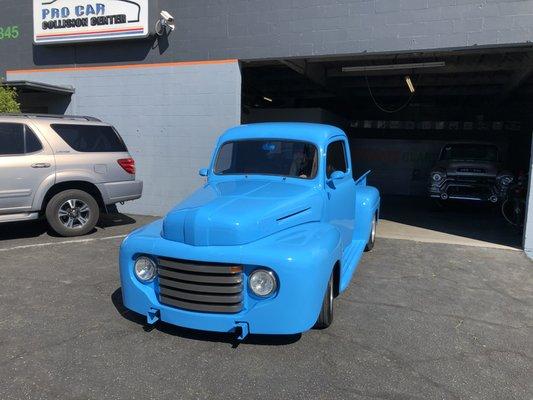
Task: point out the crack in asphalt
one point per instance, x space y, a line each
378 395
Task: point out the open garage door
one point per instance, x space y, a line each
455 125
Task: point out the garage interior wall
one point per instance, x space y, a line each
169 117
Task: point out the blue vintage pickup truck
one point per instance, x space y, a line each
265 245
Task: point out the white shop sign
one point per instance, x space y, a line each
74 21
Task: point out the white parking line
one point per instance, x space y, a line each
29 246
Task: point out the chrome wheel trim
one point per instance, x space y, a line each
74 214
331 299
373 233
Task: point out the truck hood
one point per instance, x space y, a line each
241 211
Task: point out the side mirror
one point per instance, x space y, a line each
203 172
338 175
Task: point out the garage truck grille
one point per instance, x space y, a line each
204 287
472 170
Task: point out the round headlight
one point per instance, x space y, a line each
262 283
506 180
437 176
145 269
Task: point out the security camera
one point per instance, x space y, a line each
169 19
166 21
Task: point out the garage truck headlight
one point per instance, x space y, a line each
505 180
263 283
437 176
145 269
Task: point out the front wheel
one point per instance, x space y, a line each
72 213
325 318
513 211
372 238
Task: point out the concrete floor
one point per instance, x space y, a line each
419 321
461 223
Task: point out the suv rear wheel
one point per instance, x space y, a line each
72 213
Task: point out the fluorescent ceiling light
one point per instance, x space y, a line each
267 99
392 67
410 84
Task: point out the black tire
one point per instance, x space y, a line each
325 318
513 211
75 205
372 238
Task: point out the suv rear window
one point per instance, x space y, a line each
90 138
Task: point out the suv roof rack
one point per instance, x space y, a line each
58 116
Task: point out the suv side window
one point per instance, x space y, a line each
336 158
90 138
33 144
17 139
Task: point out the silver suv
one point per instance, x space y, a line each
66 168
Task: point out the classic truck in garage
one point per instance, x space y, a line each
268 242
469 171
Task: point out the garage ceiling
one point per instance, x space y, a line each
497 80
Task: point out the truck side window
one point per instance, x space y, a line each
336 158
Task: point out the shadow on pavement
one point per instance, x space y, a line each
36 228
230 338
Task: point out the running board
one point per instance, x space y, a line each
18 217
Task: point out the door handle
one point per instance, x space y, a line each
41 165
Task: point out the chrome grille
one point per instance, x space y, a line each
196 286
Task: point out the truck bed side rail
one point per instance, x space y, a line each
361 181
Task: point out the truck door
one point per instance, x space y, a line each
340 190
25 162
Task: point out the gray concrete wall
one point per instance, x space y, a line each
248 29
169 118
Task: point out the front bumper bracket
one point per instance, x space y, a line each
152 316
242 329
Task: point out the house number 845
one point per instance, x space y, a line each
9 32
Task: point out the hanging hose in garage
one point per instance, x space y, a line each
385 109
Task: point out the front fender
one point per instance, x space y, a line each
304 258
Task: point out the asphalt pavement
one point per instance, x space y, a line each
419 321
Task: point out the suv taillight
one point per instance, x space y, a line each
128 164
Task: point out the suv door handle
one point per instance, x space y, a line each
41 165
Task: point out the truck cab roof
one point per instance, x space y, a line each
318 134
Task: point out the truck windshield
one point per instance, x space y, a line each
476 152
267 157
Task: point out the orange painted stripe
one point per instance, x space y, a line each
92 32
128 66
